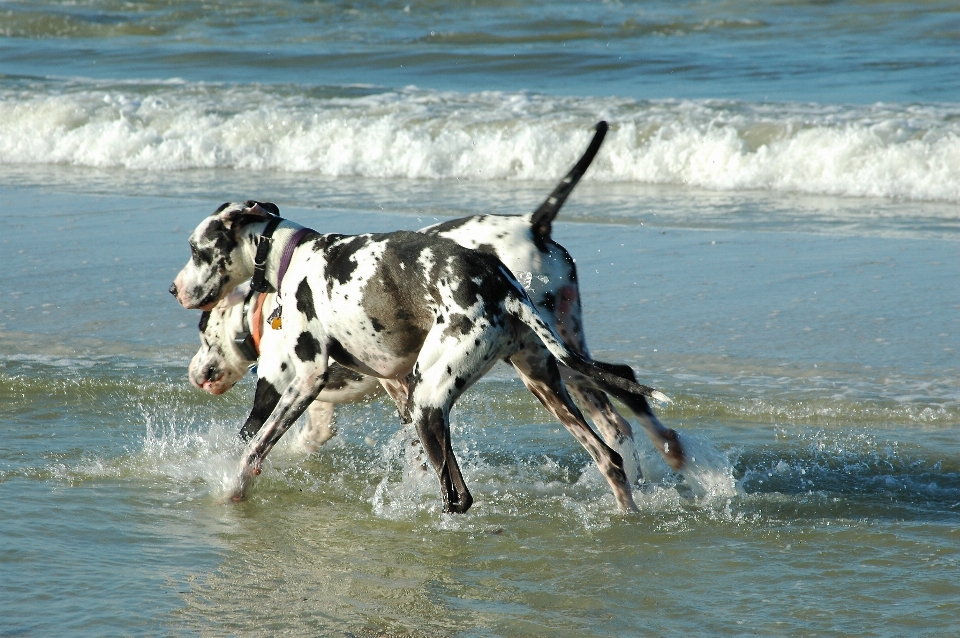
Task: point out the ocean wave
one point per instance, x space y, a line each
883 150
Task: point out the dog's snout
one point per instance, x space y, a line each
173 289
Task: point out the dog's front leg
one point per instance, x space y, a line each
265 400
293 402
319 427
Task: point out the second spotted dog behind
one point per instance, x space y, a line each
230 338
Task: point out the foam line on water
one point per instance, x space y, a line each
881 150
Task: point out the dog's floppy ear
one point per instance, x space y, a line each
263 207
233 216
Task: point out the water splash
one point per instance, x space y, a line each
408 486
709 472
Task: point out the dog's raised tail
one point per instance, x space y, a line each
618 384
543 217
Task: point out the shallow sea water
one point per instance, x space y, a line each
770 234
814 383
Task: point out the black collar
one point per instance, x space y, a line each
260 283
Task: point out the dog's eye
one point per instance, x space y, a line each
204 318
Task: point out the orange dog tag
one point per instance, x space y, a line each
275 320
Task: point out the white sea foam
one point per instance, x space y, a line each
882 150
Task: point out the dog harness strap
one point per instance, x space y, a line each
256 326
288 253
259 282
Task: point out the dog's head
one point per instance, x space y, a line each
219 363
217 260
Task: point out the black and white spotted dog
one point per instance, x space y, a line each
524 244
416 309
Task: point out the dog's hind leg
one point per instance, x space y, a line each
433 428
568 322
446 367
614 429
664 439
539 372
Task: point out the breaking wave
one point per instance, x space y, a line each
881 150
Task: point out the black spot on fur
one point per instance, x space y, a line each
214 293
453 224
340 354
308 238
483 278
216 232
321 242
307 348
201 256
341 257
264 401
460 382
460 325
377 326
340 377
305 300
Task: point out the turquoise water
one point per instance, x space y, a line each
769 235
